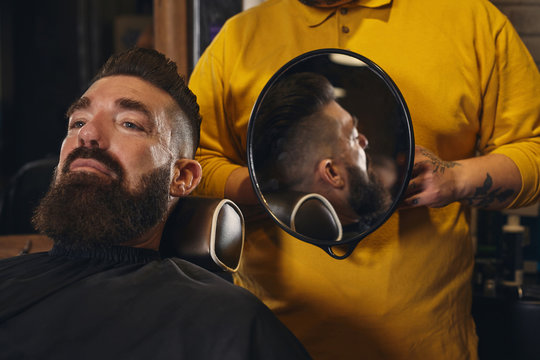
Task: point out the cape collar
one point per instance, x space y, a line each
115 254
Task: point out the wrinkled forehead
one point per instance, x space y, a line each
133 87
130 93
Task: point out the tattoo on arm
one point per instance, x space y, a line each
438 164
485 196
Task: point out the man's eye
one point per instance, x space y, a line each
131 125
76 124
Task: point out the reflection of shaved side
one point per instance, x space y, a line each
287 135
310 140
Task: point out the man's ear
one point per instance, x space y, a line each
330 173
186 176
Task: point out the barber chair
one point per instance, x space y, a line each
208 232
311 215
22 195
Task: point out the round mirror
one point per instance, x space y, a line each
330 148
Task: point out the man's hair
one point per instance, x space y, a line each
155 68
291 134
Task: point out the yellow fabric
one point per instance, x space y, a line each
405 292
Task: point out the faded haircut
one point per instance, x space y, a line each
291 133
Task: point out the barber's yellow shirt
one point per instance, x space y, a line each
470 85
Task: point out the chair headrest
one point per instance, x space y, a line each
311 215
206 231
22 195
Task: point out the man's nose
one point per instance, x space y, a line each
93 135
362 140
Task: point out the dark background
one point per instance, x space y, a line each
49 52
51 49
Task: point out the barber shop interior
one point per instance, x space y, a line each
270 179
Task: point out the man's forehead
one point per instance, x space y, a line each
126 92
123 102
339 114
129 86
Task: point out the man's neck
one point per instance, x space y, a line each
151 240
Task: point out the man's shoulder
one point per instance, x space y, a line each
479 9
196 292
205 281
15 261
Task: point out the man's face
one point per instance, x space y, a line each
351 143
125 117
113 178
364 192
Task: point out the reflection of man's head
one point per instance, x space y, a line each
305 141
126 157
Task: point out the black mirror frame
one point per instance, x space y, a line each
352 242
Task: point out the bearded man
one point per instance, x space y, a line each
104 291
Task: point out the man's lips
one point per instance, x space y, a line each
91 165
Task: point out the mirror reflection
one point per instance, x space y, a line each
330 147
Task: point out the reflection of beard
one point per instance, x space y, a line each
83 210
367 196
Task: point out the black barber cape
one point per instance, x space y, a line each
128 303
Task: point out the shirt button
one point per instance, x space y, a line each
343 11
345 29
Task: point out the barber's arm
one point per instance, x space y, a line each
508 174
492 181
219 152
239 189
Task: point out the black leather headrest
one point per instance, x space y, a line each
311 215
22 195
206 231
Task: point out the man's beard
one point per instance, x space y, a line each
367 197
84 210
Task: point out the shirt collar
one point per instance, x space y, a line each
314 16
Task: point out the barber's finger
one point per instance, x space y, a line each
419 168
413 187
410 202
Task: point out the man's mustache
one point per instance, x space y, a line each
97 154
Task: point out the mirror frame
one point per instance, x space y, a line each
352 242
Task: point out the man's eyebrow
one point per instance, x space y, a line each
135 105
80 103
355 121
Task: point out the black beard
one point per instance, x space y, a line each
83 210
368 198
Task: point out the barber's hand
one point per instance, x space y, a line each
433 181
